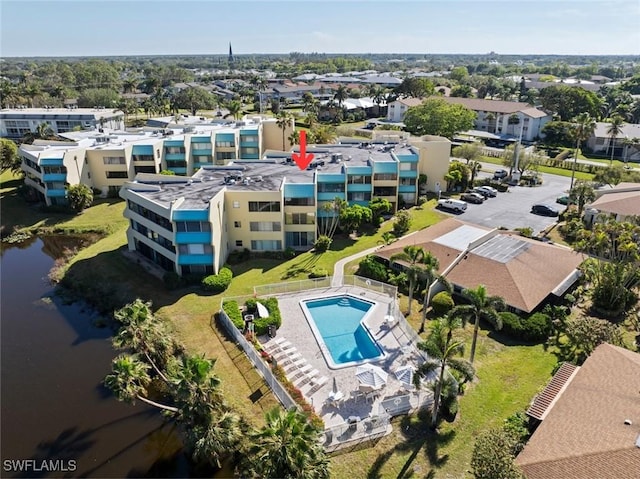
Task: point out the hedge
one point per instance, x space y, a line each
261 325
369 267
535 328
217 283
232 308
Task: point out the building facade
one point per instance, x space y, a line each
104 161
15 123
191 224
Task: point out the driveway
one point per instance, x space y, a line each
513 208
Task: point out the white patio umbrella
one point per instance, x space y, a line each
370 375
263 312
405 374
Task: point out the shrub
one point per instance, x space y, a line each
238 256
261 325
318 273
442 303
322 244
421 200
402 224
371 268
535 328
232 309
217 283
171 280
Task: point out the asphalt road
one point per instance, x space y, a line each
513 208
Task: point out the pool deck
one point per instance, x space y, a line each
395 343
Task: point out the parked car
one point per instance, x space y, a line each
499 174
544 210
455 205
471 197
486 191
563 200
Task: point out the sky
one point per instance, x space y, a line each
173 27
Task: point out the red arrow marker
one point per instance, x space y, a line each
303 158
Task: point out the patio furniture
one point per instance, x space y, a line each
335 398
316 384
292 366
300 372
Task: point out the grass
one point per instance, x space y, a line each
579 175
508 378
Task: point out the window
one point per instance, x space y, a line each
266 245
193 226
299 238
200 146
299 218
203 158
225 155
265 226
408 166
142 157
239 243
153 236
264 206
174 150
299 201
150 215
249 138
225 144
249 150
197 269
195 248
114 160
176 164
384 191
330 187
54 170
359 179
359 196
385 176
236 204
237 224
407 181
117 174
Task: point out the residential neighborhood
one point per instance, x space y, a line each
340 261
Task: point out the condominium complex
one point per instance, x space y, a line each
16 123
105 160
191 224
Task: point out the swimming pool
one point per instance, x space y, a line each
339 325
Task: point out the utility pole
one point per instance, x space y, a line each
517 154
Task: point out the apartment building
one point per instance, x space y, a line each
505 118
190 225
104 161
17 122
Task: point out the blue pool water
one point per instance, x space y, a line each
337 323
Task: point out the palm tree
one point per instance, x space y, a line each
442 348
415 256
341 95
481 306
234 107
217 440
474 169
294 137
386 238
630 144
584 126
129 380
429 274
197 388
287 446
614 130
43 132
283 121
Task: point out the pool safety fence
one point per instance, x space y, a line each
263 368
292 286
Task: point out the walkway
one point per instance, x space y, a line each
338 269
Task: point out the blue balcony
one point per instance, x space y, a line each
407 188
201 165
359 187
187 237
200 152
254 144
174 156
408 174
51 162
56 193
179 170
187 259
330 178
329 195
408 158
190 215
54 177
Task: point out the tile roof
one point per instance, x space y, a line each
624 200
584 435
497 106
522 277
543 402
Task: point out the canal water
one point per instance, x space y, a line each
58 420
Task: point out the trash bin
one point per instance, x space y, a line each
271 330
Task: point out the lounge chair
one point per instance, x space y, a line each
316 384
298 373
307 378
292 366
290 358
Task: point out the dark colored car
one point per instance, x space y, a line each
563 200
544 210
471 197
499 174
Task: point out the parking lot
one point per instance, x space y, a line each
513 208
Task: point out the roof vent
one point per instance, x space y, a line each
628 422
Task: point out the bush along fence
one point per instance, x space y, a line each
232 320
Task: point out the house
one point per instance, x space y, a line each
191 224
601 141
506 118
17 122
621 202
589 420
507 264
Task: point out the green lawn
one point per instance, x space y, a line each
545 169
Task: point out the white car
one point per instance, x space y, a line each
455 205
486 191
